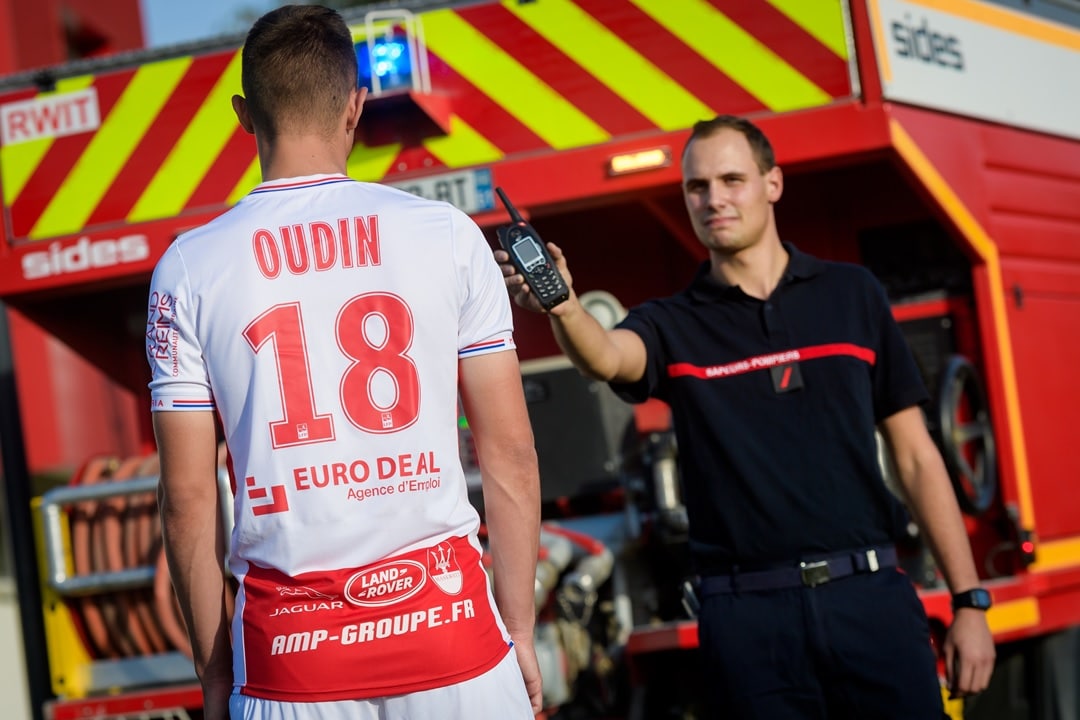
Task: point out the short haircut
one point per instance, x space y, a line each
298 66
759 144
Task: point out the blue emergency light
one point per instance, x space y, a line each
389 61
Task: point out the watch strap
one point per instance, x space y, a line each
977 598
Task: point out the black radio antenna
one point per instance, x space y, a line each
515 216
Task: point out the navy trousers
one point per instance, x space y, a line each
854 648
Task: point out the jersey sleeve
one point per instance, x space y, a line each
486 324
179 379
640 320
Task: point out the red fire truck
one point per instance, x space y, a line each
937 142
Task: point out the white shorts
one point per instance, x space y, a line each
498 694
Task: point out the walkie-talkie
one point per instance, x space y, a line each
521 241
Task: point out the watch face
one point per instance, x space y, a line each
977 598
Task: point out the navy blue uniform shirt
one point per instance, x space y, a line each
774 405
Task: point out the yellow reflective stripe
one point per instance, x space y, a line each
880 43
1013 615
508 82
110 148
736 52
1057 554
359 32
195 152
607 57
462 146
18 162
252 177
823 19
954 706
371 164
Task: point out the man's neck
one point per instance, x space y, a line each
298 156
756 269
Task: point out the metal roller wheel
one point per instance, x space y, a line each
967 437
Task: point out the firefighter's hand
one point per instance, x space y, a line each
969 653
519 289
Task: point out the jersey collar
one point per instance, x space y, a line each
297 183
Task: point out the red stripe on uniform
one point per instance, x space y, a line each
676 59
764 362
160 139
60 159
561 73
798 48
832 349
483 114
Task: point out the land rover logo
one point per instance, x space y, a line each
385 584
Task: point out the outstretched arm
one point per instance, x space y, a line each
608 355
494 403
969 646
195 546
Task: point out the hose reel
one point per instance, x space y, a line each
967 437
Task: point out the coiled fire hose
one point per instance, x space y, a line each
119 533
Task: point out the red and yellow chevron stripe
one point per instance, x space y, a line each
519 78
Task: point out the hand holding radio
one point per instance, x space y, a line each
531 258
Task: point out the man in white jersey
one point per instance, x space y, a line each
332 326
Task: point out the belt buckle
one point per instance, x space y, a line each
815 573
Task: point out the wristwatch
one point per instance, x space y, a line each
977 598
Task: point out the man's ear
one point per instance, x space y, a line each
774 183
239 106
356 106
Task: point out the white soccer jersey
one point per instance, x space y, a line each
323 319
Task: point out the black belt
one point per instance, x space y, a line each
809 573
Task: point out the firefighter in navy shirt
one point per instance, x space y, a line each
778 367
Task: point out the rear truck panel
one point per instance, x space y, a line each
1023 217
991 136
